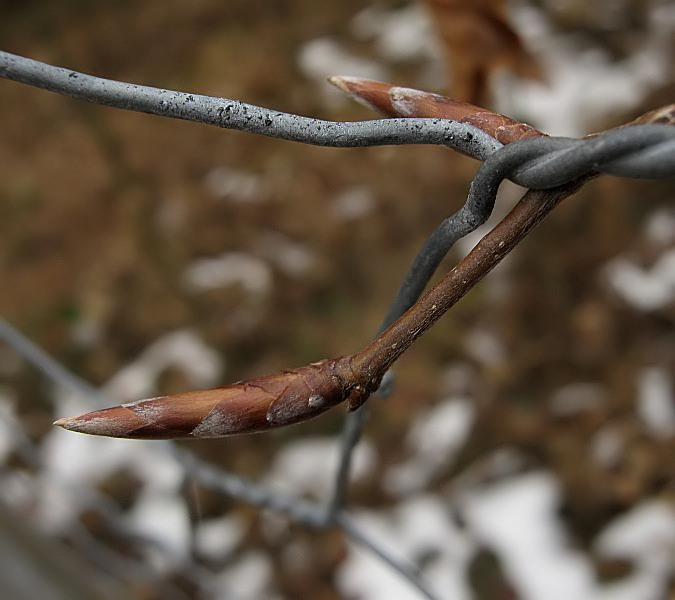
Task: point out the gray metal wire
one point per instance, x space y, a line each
234 114
646 151
649 160
638 151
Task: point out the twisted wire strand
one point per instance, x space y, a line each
636 151
644 151
649 149
656 162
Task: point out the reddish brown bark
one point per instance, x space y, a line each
395 101
291 396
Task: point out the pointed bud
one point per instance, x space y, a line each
395 101
247 407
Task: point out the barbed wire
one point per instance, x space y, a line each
540 163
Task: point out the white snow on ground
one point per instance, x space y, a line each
577 397
181 349
607 446
308 466
323 57
411 529
236 185
252 272
403 34
399 34
647 288
293 258
517 519
353 203
217 538
660 227
484 346
230 268
84 460
250 578
433 439
161 516
73 460
656 402
584 87
646 537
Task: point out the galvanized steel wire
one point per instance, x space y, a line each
636 151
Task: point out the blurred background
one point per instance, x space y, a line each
527 450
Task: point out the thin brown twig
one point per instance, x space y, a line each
299 394
296 395
374 360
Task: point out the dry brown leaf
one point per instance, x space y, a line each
478 41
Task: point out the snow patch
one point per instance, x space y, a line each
656 402
230 268
434 438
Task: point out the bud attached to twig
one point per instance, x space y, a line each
249 406
396 101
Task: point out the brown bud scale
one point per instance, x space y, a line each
395 101
249 406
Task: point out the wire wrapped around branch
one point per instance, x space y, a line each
249 406
530 158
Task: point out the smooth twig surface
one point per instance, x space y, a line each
296 395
